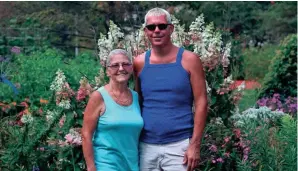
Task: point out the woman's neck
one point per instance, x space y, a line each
118 87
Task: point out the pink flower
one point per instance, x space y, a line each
237 132
81 94
227 139
213 161
40 111
61 121
77 141
227 154
245 157
213 148
246 150
69 138
220 160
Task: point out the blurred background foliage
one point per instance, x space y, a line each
69 31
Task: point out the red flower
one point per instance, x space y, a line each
237 132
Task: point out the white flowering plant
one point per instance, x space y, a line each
260 115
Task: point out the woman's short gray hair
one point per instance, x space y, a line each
117 52
158 12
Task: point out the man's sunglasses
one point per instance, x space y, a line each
152 27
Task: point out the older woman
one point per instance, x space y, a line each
112 120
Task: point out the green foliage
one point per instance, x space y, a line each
41 142
248 99
36 72
237 60
258 21
220 105
282 75
272 148
279 20
256 61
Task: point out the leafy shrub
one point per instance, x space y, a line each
237 62
272 148
46 135
282 75
36 71
222 147
256 60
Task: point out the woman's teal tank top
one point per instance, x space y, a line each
116 138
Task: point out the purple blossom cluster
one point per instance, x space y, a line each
16 50
288 105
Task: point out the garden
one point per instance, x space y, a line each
52 57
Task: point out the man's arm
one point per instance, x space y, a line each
192 63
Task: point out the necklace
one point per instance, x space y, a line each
117 99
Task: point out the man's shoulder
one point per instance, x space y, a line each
139 62
139 58
189 56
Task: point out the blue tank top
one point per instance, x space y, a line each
116 138
167 101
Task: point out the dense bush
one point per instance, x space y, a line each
282 75
258 141
271 147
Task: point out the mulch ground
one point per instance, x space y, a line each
249 84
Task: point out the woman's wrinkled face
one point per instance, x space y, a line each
120 68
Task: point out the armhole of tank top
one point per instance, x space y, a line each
180 58
101 91
146 62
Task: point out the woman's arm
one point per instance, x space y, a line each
94 109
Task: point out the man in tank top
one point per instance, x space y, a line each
169 81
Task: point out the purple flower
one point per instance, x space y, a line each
16 50
246 150
276 95
245 157
35 168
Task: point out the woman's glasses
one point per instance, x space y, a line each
116 66
152 27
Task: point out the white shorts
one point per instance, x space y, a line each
164 157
